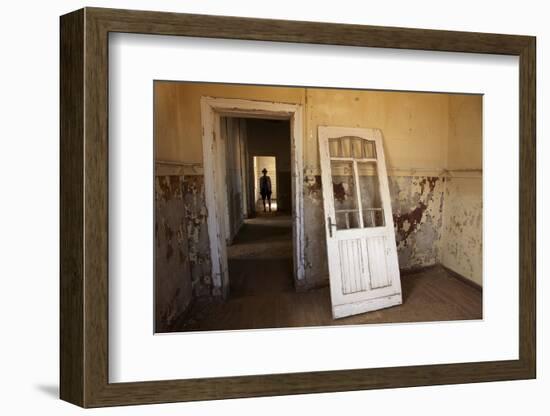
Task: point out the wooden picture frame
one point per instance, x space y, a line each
84 207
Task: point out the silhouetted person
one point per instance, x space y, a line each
265 188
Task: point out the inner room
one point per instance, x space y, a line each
281 207
265 185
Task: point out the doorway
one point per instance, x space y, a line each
265 190
259 247
229 166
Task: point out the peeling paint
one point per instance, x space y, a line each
417 204
463 239
182 258
195 215
315 249
313 188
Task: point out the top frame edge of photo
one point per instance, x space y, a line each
104 20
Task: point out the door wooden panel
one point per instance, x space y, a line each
376 249
353 272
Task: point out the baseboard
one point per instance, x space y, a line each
463 279
418 269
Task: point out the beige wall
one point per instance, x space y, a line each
178 114
415 126
465 132
462 237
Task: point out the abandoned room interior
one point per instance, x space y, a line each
281 207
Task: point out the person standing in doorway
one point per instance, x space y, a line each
265 189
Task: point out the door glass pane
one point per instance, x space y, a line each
352 147
345 148
345 195
357 148
334 147
371 203
369 149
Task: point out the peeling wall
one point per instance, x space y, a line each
463 210
182 265
462 242
425 137
417 204
315 250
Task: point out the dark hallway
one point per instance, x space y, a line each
260 258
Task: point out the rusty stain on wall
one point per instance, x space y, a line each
417 204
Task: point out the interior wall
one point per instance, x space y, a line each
423 134
415 130
462 240
232 134
182 258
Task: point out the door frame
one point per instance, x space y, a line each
212 109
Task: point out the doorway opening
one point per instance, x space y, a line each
260 247
265 183
240 138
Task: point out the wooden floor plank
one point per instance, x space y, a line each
262 294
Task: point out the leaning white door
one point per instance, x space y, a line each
362 255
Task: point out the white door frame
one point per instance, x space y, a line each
212 109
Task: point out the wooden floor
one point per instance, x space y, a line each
262 292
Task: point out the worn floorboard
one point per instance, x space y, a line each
262 293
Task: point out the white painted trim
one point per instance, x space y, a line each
348 309
212 109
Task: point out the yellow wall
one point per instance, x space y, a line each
415 125
178 114
465 132
462 236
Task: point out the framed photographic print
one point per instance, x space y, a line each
255 207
